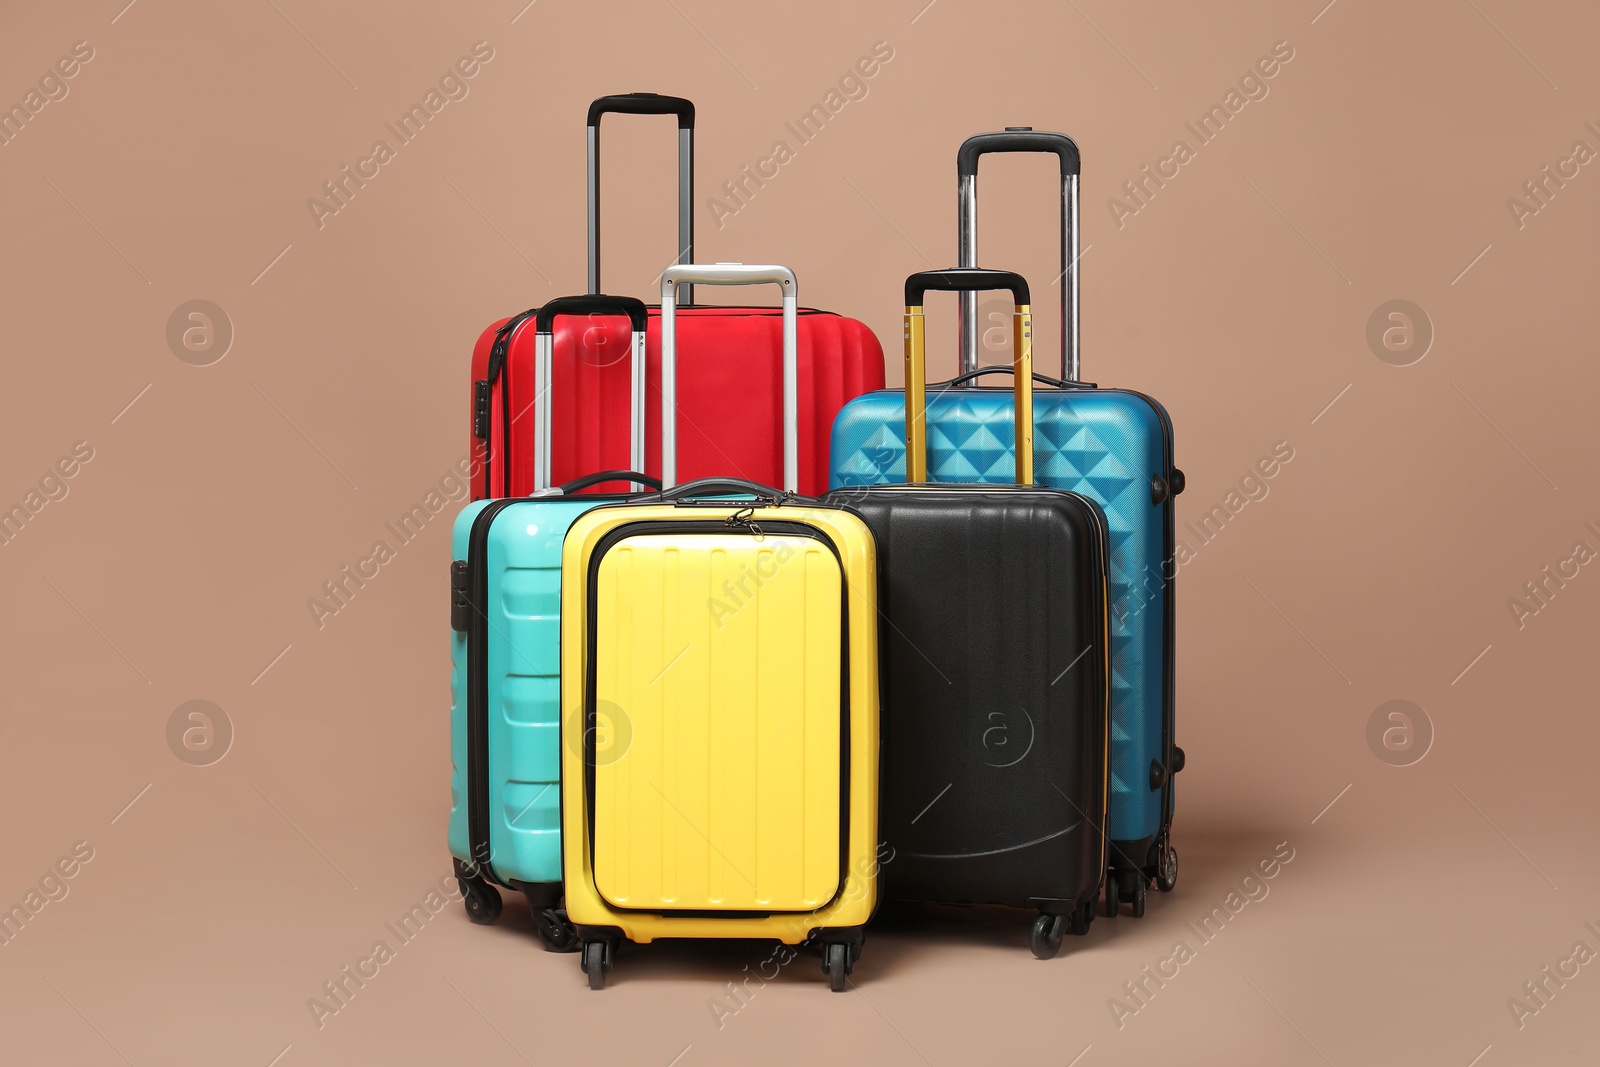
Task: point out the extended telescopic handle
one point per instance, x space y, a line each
1020 139
645 104
544 373
729 274
966 280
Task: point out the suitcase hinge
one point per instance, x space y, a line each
460 602
480 409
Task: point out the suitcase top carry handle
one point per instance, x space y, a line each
1038 379
645 104
722 487
578 485
1020 139
966 280
729 274
544 376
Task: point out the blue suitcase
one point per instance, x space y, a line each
505 651
1111 445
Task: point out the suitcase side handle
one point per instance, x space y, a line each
966 280
729 274
1020 139
645 104
544 376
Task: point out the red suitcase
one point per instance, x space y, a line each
729 398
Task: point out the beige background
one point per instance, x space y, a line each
180 562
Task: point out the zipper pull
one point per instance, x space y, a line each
743 519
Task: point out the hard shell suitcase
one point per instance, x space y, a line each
994 733
719 688
505 586
1113 446
738 350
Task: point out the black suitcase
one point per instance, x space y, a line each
993 667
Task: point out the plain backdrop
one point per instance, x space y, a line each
176 564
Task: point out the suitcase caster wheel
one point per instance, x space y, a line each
557 934
1139 889
1045 938
1078 922
596 962
481 899
1113 897
836 964
1167 869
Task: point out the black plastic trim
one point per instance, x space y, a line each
478 830
965 280
1017 139
592 304
643 104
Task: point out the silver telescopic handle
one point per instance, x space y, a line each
729 274
967 256
544 377
685 206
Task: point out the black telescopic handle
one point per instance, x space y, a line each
721 487
1017 140
965 280
593 304
638 477
643 104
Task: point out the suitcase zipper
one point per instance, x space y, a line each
476 585
499 370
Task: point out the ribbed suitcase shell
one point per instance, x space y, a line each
744 803
994 664
729 396
1108 445
522 675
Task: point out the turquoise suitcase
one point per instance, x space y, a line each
505 651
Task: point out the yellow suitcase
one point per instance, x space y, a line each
719 683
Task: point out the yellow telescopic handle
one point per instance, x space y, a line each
966 280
